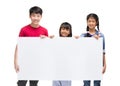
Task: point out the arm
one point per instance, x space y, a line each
51 36
104 64
77 37
96 36
42 36
104 58
16 59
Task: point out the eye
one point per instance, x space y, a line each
62 28
38 15
67 30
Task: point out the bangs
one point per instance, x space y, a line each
65 27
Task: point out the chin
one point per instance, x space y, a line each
36 23
64 36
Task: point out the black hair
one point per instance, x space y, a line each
67 26
35 9
93 15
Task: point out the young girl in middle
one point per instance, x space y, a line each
65 30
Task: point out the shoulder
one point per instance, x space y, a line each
83 35
101 34
23 31
43 28
25 27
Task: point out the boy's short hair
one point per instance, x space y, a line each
35 9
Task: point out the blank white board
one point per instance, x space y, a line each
60 58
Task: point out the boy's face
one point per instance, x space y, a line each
35 18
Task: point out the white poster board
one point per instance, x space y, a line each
60 58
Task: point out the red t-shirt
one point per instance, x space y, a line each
29 31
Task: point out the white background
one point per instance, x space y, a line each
14 15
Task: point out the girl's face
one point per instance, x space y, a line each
35 18
91 23
64 32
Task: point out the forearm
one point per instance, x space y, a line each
104 63
15 55
104 60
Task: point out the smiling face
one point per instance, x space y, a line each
91 23
65 32
35 19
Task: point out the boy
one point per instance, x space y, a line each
31 30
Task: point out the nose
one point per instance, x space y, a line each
35 17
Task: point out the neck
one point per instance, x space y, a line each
92 31
34 25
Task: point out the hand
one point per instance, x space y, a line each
42 36
104 69
97 36
77 37
16 68
51 36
